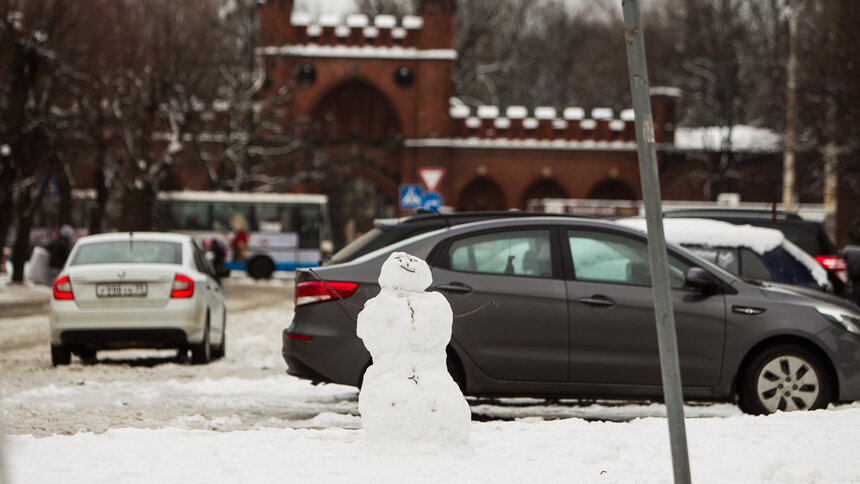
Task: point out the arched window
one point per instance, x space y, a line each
480 195
544 188
612 190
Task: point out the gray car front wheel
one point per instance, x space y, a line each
785 378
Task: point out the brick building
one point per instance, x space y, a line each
378 93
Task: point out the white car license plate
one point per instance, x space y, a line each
130 289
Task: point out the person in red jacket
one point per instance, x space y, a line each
239 242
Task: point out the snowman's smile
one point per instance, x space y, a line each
407 269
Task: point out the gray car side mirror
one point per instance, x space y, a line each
701 281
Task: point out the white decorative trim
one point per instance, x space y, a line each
356 20
385 21
412 22
665 91
544 112
342 31
601 113
488 112
366 52
516 112
300 19
329 20
574 114
460 111
524 144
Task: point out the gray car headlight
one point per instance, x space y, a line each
841 317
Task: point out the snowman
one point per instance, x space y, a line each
407 394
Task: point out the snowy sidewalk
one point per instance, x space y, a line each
22 299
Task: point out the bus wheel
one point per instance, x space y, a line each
261 267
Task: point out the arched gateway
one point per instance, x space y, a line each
359 134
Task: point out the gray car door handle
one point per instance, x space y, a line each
455 287
597 300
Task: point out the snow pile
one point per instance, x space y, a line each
407 395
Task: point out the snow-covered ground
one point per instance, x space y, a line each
148 417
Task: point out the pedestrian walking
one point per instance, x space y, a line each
59 248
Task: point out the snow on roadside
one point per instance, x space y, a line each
242 419
816 447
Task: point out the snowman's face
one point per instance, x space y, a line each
403 271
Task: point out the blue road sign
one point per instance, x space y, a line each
431 201
411 196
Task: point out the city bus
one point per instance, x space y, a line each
281 231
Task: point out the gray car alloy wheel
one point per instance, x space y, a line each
787 383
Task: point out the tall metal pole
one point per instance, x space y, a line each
657 256
831 123
788 176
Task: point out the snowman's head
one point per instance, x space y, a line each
403 271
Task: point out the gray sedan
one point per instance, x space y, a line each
573 317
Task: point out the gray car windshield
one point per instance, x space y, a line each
129 251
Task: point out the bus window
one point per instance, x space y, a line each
270 220
182 216
307 223
227 216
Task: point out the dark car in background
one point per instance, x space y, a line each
758 254
387 231
574 317
807 234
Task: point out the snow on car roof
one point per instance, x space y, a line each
714 233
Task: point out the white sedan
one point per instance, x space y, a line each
137 290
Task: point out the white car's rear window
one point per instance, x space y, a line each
129 251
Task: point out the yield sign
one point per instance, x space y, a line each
431 175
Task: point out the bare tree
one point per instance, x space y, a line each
244 144
37 39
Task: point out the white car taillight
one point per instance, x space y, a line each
63 288
183 286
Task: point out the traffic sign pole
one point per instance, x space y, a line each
668 345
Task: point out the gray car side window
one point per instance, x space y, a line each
605 257
516 253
